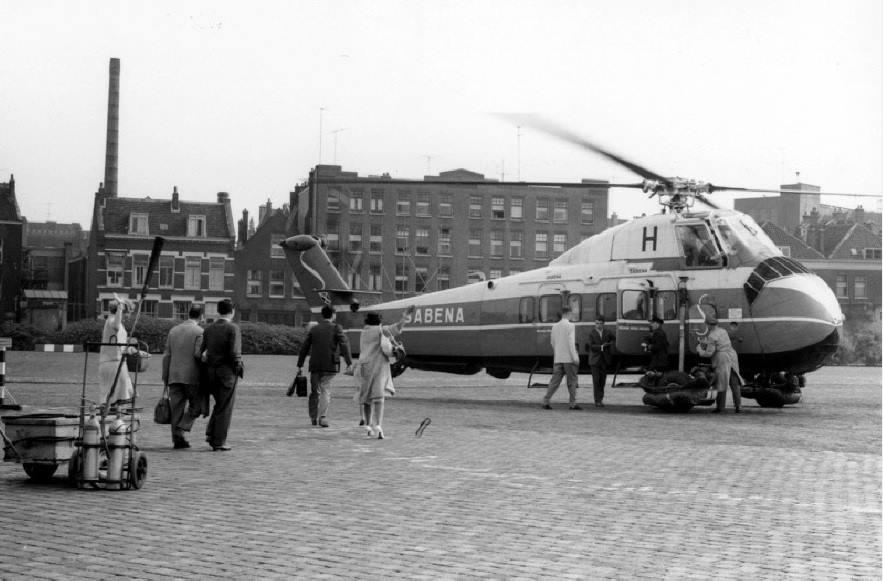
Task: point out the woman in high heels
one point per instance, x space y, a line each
376 376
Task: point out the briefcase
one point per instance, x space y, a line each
298 386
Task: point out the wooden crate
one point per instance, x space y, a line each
40 437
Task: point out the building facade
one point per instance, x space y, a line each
196 264
11 238
404 237
266 290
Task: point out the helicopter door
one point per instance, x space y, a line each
640 301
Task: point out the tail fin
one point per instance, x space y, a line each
318 279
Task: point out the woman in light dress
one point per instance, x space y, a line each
109 357
376 377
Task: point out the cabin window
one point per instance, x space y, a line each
606 307
634 305
525 310
550 308
666 305
698 247
576 307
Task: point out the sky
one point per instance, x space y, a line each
246 97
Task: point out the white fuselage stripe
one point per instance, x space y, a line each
461 328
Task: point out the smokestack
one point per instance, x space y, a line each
113 129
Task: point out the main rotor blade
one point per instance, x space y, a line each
714 188
545 126
434 182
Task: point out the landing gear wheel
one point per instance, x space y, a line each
770 398
40 472
137 470
681 403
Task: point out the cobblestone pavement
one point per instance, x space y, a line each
495 487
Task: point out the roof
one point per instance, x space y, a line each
117 212
8 204
799 248
31 293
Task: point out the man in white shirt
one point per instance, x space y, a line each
566 360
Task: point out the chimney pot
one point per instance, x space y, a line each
223 197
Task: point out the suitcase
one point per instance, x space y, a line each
298 386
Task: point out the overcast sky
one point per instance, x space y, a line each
229 96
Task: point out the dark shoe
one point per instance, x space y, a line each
315 422
361 422
576 407
546 406
715 411
181 445
738 410
598 404
323 422
224 448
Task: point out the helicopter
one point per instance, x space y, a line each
686 264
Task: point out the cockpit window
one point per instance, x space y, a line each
745 241
698 246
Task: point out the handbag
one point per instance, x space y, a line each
298 386
162 413
392 348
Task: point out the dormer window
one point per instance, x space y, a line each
196 226
138 225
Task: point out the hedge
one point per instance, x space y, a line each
257 338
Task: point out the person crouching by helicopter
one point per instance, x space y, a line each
565 361
656 344
716 344
600 348
113 375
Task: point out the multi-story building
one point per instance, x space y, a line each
11 234
49 249
196 264
266 290
401 237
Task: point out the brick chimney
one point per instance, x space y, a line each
243 228
113 130
859 215
176 205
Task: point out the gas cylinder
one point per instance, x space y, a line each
116 454
91 443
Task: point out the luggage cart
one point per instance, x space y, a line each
98 443
107 454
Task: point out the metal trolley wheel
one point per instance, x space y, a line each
137 469
40 472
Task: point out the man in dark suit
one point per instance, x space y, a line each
325 343
600 349
222 355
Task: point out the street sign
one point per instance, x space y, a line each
6 342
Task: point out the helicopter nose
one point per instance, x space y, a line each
804 303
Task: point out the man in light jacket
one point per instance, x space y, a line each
566 359
180 371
